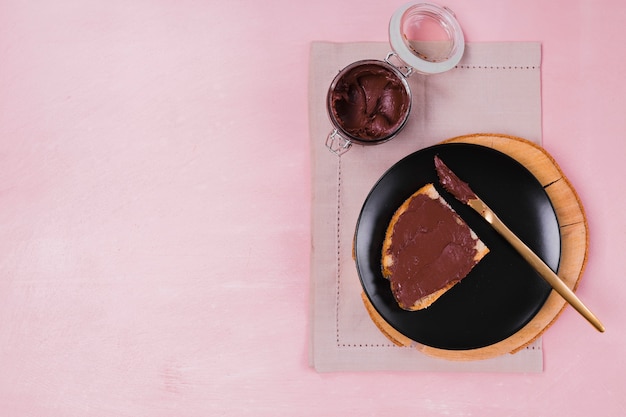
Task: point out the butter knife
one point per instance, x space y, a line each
462 192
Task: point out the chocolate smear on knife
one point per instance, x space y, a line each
453 184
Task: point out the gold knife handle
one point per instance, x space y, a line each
536 262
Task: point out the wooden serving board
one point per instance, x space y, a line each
574 247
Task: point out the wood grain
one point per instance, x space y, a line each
574 246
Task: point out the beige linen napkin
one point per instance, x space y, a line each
496 88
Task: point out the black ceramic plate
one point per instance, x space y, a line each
502 293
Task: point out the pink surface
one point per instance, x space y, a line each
154 212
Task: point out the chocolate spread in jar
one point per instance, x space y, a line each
369 102
431 249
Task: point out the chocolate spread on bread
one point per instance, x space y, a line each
428 249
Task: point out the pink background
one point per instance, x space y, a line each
155 210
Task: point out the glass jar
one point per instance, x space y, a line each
369 101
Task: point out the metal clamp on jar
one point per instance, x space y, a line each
369 101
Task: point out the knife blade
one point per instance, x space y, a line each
462 192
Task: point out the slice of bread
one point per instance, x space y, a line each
427 249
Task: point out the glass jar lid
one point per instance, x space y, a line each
427 37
